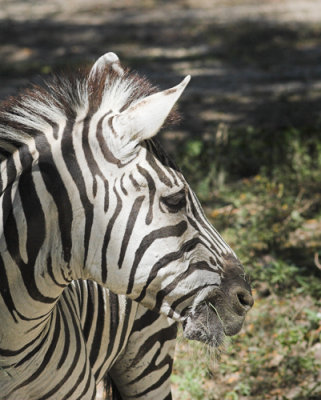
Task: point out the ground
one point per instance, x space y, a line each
253 63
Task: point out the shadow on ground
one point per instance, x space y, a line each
245 72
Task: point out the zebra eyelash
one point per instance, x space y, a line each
175 202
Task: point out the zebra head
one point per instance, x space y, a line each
91 195
158 248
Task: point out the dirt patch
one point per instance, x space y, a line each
252 63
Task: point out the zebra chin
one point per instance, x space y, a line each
205 324
210 331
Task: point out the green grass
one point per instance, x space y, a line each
270 212
274 355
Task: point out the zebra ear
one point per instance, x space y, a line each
107 60
143 120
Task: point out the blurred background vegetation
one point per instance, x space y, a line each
249 143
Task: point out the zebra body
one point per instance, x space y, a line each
86 195
92 331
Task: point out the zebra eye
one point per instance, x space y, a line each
175 202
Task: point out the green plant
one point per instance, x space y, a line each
189 377
265 201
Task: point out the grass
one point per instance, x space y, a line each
272 219
273 357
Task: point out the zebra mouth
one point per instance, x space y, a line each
205 325
211 321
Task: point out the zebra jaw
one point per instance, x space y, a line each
204 325
211 321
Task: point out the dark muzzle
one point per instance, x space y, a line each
223 311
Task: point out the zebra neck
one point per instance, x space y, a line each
32 266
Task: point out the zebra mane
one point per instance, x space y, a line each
40 108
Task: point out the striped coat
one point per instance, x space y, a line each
104 247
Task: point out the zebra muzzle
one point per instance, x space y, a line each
222 311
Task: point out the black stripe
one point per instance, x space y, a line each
207 239
55 129
110 124
122 185
145 320
1 182
103 144
35 218
198 266
65 277
129 228
75 171
45 361
64 354
106 202
58 191
91 303
76 383
51 273
124 327
99 324
193 223
84 394
198 213
78 287
188 295
108 234
5 291
35 350
12 353
148 240
159 171
152 191
26 158
91 162
167 361
53 124
76 355
165 260
134 182
35 235
113 322
11 171
164 159
34 327
10 229
161 336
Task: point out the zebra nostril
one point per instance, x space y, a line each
244 298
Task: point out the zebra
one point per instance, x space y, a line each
104 247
